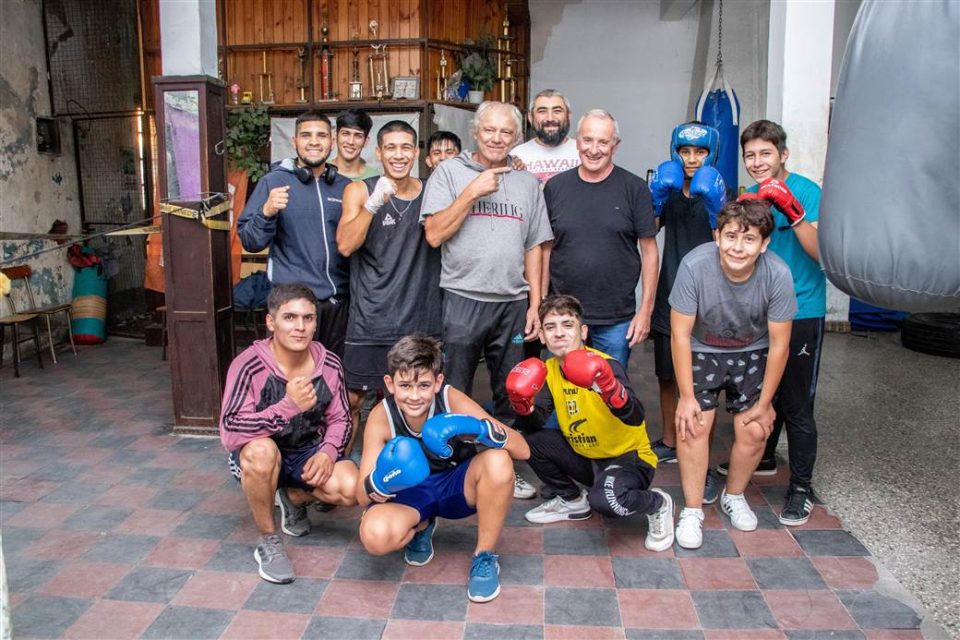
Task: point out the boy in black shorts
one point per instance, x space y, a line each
732 310
475 478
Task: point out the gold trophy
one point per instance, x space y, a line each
268 98
301 78
505 62
442 76
379 76
355 85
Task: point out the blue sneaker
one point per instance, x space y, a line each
419 551
711 488
484 584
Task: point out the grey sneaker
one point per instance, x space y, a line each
557 509
663 452
522 489
293 518
273 561
711 488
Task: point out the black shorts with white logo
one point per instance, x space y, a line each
364 366
740 374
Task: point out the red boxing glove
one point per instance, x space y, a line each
589 370
748 195
523 383
777 192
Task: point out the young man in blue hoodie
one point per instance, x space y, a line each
294 210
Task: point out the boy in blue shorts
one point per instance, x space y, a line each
732 306
400 447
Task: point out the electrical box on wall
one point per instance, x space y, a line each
48 135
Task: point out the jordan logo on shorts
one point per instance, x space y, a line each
803 350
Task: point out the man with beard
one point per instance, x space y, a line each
294 210
551 151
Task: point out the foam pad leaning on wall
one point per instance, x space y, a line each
890 212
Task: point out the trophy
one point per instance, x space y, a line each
266 98
326 67
505 62
301 78
442 75
355 84
379 77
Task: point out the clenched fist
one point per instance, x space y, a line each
301 391
276 201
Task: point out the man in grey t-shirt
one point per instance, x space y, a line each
732 309
489 222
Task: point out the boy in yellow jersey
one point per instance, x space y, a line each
602 443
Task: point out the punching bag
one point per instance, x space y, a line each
890 210
718 107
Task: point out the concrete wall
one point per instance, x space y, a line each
35 188
648 72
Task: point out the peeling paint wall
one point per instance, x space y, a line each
35 188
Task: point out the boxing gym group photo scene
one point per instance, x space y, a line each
480 319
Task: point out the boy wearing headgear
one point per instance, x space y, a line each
688 193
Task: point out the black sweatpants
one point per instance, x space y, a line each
494 330
795 398
618 486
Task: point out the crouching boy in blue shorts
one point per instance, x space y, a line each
420 462
732 307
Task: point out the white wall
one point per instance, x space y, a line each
620 56
35 188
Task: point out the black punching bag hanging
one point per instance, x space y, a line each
890 212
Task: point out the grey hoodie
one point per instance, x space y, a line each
484 259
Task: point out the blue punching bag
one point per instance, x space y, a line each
718 107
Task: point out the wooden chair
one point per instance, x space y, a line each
14 320
23 273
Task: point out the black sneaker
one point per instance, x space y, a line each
767 467
663 452
798 506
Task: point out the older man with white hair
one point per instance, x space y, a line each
489 222
602 216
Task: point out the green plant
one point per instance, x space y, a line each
479 66
248 131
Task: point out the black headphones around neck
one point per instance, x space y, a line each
305 174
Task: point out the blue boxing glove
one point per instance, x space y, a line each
668 178
438 430
400 465
708 182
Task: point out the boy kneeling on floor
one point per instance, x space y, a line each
732 307
430 451
602 442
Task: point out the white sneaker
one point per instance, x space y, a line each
741 515
522 489
660 525
690 528
558 509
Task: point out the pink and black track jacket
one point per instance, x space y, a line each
255 403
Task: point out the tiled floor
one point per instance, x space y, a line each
113 529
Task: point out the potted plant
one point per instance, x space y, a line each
248 132
479 68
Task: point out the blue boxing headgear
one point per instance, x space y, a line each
696 135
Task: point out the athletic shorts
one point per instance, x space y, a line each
662 356
332 324
441 494
291 466
739 374
364 366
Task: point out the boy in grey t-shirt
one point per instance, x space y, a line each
732 309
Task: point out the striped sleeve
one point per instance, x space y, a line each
338 423
240 422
